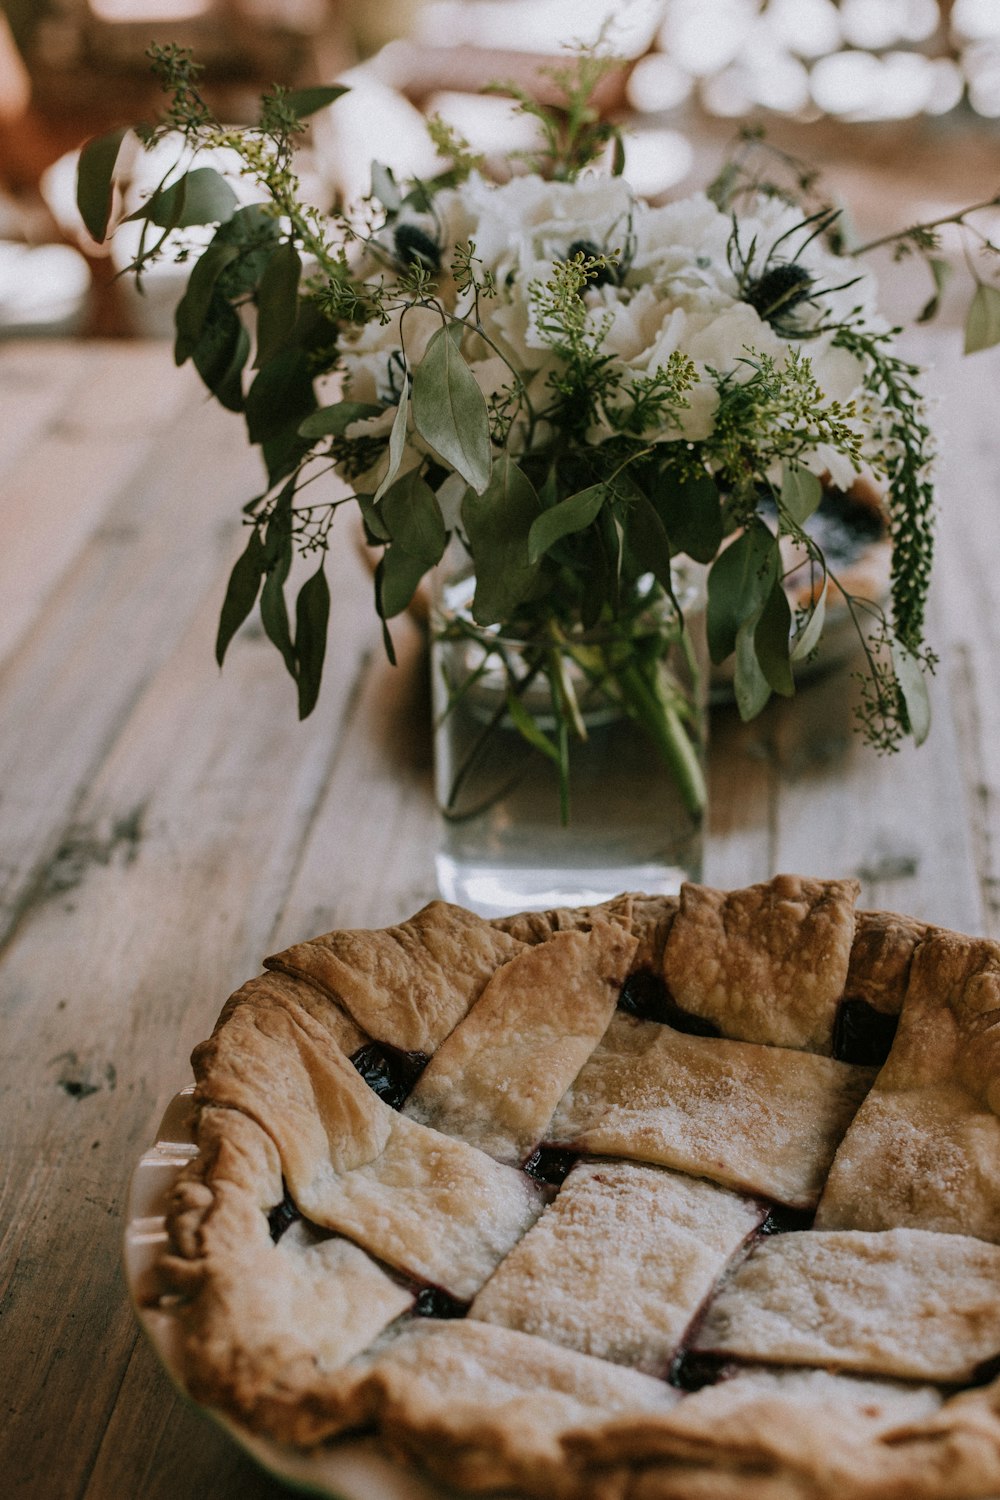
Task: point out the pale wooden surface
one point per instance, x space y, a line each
162 827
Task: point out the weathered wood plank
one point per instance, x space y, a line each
186 840
83 447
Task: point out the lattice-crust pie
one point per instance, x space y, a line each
665 1199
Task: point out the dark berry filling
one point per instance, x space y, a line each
282 1216
388 1071
550 1164
432 1302
691 1371
645 996
862 1034
784 1220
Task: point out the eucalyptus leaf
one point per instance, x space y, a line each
385 188
647 541
201 196
449 411
398 579
273 611
333 421
913 686
573 514
801 492
940 271
738 585
373 519
808 637
982 323
281 396
193 308
255 233
95 181
221 352
413 517
277 302
397 442
497 524
312 614
241 592
306 102
771 641
750 687
691 511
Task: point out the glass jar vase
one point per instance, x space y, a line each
568 762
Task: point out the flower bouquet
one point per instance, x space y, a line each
556 398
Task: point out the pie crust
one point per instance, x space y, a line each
533 1200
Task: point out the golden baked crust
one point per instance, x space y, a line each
659 1330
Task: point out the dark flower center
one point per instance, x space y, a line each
780 289
415 247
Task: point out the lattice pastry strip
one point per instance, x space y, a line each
761 1119
620 1263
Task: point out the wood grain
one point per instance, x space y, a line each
163 826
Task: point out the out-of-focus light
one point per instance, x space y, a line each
845 83
489 123
726 94
540 25
984 90
704 36
877 26
975 20
778 82
656 82
810 28
947 86
149 10
656 160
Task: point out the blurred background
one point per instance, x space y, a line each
898 101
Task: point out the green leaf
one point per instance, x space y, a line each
202 196
801 492
278 546
940 271
193 308
281 396
221 353
306 102
277 302
449 411
335 420
647 541
255 233
739 582
572 514
373 519
95 180
691 511
913 686
497 524
312 614
528 729
398 579
771 641
808 637
397 442
751 688
982 324
241 592
385 188
412 514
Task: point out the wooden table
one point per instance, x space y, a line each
163 827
